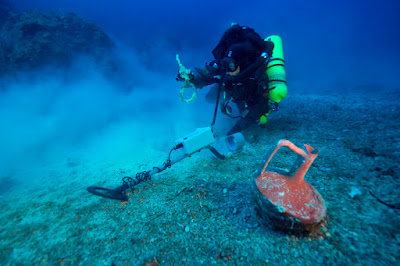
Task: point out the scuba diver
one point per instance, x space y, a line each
240 64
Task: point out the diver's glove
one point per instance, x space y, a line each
261 111
180 77
263 119
272 107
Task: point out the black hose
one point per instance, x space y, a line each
216 153
216 105
130 182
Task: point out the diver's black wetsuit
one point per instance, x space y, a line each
239 67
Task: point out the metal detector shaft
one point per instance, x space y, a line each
118 193
196 141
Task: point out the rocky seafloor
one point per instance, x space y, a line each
201 211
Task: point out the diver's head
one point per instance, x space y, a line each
239 56
231 66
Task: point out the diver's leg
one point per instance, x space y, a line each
240 125
249 117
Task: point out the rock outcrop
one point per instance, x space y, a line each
32 39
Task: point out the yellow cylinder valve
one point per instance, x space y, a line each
276 71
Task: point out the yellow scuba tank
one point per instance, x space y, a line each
277 87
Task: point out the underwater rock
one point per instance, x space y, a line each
32 39
5 11
6 184
355 191
366 151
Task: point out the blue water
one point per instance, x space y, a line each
330 43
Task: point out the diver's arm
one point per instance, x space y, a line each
208 75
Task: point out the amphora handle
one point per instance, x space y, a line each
309 156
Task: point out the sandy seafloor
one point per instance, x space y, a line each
201 210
